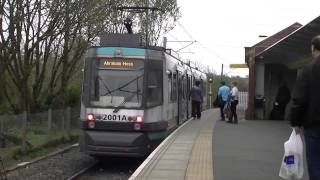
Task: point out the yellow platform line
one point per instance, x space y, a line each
200 166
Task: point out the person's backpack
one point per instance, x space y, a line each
220 100
216 102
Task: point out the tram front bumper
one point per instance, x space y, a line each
102 143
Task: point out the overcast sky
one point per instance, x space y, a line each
224 27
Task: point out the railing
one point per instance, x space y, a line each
23 133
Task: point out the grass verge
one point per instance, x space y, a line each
39 144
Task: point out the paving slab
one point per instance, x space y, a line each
250 150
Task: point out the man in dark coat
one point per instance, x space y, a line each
196 98
282 99
305 110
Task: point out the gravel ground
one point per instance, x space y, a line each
112 169
60 166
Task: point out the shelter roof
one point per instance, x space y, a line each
294 49
260 47
270 41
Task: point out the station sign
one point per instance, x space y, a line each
238 66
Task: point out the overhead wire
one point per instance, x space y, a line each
201 45
175 38
222 59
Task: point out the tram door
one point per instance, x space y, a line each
180 98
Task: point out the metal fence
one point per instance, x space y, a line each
243 101
28 129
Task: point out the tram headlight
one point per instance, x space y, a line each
90 121
139 119
90 117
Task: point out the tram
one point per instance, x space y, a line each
133 96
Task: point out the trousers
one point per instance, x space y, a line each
196 111
312 140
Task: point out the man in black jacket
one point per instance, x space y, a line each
305 110
196 97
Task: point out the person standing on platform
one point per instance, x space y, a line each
234 98
196 98
282 99
304 111
223 94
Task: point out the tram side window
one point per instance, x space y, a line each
184 88
174 88
170 87
180 87
188 86
154 88
95 84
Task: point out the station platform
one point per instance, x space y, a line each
210 149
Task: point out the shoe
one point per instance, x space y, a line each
199 118
229 121
222 119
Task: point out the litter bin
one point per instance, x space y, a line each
259 104
259 101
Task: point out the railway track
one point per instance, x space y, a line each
82 171
113 168
69 163
58 165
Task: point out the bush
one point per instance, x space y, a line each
73 96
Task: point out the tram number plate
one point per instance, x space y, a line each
114 118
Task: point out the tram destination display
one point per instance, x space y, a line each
120 64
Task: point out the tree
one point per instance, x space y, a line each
43 42
162 20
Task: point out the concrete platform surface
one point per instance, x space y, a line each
210 149
250 150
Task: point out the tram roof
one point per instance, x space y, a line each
294 49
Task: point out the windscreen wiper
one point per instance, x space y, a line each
126 99
130 97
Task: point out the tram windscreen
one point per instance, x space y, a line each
114 85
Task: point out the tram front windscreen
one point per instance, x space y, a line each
117 83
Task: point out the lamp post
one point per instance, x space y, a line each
210 92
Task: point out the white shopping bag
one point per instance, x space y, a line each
292 161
